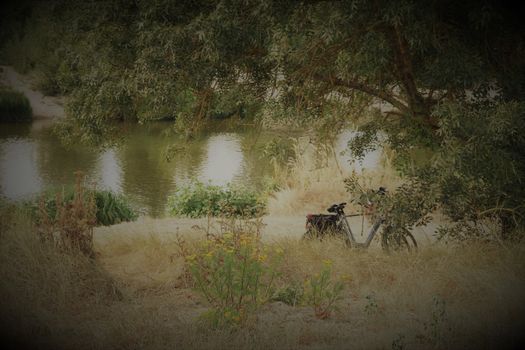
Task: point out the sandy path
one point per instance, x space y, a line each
144 254
43 106
274 227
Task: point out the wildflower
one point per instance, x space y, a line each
328 262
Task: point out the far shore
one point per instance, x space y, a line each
44 107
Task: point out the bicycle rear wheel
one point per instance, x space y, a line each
310 234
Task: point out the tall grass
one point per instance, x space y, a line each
14 106
312 181
43 288
111 208
438 298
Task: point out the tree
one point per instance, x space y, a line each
449 77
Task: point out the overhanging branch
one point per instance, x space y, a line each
356 85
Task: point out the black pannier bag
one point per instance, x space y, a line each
321 224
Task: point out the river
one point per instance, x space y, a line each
32 160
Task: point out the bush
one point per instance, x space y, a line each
198 200
235 273
71 228
111 208
323 292
14 106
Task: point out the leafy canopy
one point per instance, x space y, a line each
444 76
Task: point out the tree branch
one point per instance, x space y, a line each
356 85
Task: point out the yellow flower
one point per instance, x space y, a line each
328 262
262 257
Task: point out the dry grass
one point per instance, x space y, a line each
469 296
312 186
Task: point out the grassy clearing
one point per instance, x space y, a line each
135 295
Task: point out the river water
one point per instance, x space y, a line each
32 159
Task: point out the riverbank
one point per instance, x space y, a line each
44 107
439 297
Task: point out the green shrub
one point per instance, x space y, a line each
322 292
290 294
14 106
198 200
111 208
235 273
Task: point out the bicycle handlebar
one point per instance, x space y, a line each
336 207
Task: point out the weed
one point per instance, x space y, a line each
235 274
322 293
291 295
72 226
110 208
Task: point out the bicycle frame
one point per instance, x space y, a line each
350 234
316 227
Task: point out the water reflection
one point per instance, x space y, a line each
223 160
32 159
57 164
19 171
147 178
110 171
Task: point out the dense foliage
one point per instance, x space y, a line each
439 76
199 199
14 106
110 208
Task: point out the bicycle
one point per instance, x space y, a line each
336 224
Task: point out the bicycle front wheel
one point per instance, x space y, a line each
402 241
